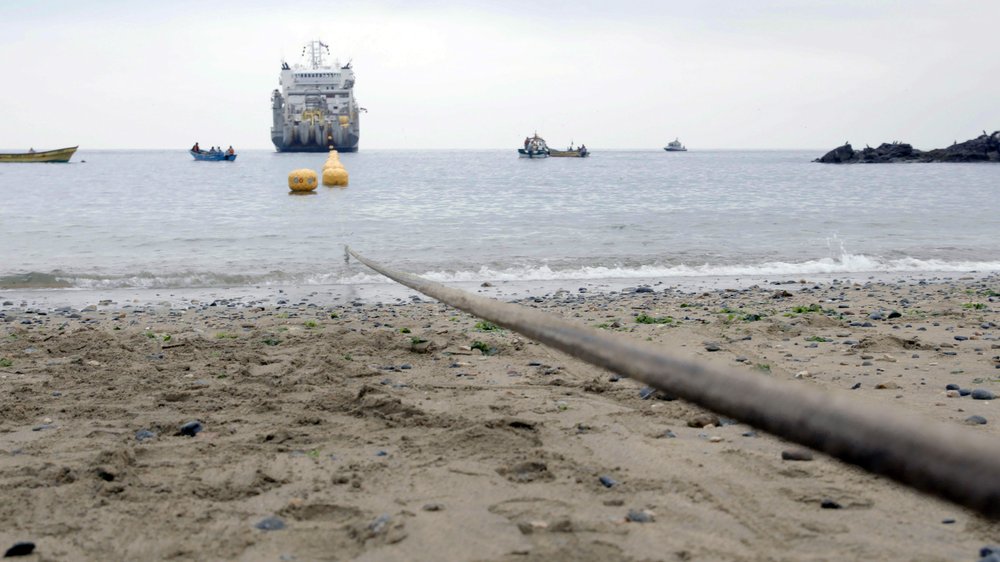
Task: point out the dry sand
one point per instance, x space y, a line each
326 420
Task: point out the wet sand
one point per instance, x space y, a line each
350 429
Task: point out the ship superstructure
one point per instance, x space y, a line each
315 110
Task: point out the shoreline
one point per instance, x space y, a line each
390 292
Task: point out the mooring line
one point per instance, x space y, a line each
950 462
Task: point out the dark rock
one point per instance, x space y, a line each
989 549
951 386
712 346
961 338
830 504
856 386
982 394
975 420
796 455
894 314
607 481
270 524
191 428
433 507
20 548
948 521
644 290
984 148
964 392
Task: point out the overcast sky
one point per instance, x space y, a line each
624 74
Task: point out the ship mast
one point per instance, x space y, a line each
315 50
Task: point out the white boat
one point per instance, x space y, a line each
675 146
534 147
315 110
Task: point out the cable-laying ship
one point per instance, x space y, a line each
315 110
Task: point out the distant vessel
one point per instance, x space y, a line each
579 152
57 155
675 146
534 147
213 156
315 110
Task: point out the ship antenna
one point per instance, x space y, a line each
315 49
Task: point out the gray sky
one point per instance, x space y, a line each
626 74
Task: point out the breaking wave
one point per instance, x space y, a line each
355 275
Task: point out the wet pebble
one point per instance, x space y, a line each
379 524
975 420
607 481
191 428
433 507
856 386
951 386
712 346
636 516
144 434
830 504
270 524
982 394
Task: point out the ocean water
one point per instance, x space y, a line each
158 219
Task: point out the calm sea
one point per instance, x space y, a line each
158 219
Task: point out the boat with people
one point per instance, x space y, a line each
214 154
675 146
571 152
315 109
534 147
57 155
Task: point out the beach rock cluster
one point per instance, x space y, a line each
984 148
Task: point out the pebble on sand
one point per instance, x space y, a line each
636 516
20 548
270 524
975 420
982 394
796 455
191 428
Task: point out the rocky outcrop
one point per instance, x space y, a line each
984 148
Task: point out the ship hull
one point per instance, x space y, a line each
333 136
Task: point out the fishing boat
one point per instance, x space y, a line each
675 146
57 155
212 156
571 152
534 147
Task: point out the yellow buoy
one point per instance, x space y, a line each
302 179
335 176
332 164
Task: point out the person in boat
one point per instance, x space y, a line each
527 141
583 149
195 148
230 152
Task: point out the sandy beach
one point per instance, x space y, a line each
407 430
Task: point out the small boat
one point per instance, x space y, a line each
57 155
675 146
212 156
534 147
580 152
